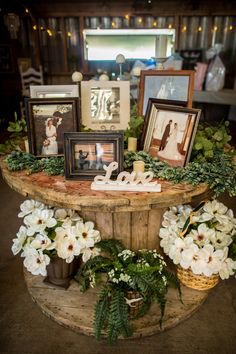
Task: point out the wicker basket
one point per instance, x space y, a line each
135 306
194 281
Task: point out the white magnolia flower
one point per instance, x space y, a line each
19 241
86 234
224 224
213 260
193 258
228 268
36 262
214 207
68 248
177 248
221 240
39 220
28 206
202 235
41 242
60 214
88 253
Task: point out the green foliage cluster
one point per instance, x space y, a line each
135 125
18 129
219 173
19 160
210 138
144 272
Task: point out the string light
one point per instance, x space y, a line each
127 17
69 34
215 28
140 20
34 27
49 32
113 24
184 29
199 29
41 28
230 28
154 24
170 26
26 10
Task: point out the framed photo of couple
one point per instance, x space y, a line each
169 132
86 153
170 85
47 121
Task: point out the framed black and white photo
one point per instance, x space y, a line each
47 120
86 154
171 85
53 91
169 132
105 104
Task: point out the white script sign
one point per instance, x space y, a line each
132 182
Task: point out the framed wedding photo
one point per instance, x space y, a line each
170 132
53 91
172 85
47 120
86 153
105 104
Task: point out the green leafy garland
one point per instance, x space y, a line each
219 173
18 161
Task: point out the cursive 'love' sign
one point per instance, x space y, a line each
131 182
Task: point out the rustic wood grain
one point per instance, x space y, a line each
74 310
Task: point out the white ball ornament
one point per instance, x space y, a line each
120 59
104 77
77 76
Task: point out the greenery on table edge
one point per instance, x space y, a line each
219 173
143 271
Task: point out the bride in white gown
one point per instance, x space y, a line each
170 151
50 146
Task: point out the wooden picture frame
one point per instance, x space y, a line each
47 120
87 152
53 91
171 85
105 104
170 132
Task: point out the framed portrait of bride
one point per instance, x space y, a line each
47 121
169 132
169 85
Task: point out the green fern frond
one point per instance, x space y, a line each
112 247
118 322
101 312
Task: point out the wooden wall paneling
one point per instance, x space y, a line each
65 47
104 223
139 228
122 227
154 222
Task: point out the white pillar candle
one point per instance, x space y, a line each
132 144
138 166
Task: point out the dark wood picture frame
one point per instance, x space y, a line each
182 91
158 101
63 114
87 152
169 132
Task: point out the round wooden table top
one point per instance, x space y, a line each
57 191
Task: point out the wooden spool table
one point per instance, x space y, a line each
134 218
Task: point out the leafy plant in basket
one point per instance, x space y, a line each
132 280
201 242
49 232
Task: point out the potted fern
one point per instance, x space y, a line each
130 280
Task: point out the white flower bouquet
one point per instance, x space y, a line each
201 239
49 231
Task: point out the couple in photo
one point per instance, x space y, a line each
168 148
